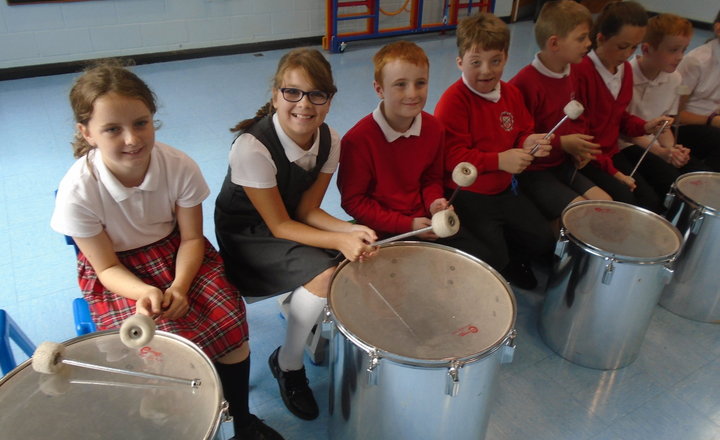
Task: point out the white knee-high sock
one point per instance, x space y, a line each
304 312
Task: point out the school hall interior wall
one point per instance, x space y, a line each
703 11
61 32
36 34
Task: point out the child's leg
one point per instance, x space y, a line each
479 215
703 142
306 304
234 372
616 189
286 363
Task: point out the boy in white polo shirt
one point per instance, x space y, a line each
700 119
655 88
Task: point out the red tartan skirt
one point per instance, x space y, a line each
216 319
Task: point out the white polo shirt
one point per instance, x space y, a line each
700 70
652 98
91 199
390 134
251 163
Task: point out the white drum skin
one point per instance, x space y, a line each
386 387
611 265
694 207
83 403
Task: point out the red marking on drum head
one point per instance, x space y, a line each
148 353
599 209
696 182
466 330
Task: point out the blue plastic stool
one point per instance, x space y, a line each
83 321
9 330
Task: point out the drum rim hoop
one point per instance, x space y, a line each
222 404
620 258
697 206
416 362
425 363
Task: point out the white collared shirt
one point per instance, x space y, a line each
612 81
540 67
493 96
252 165
700 70
390 134
91 199
653 98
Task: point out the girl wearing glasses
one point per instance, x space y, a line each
270 229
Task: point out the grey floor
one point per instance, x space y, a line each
670 392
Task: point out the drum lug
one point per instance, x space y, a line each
372 369
609 271
696 220
508 350
561 244
668 271
669 198
225 412
453 380
326 325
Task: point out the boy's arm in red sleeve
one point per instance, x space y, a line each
356 182
631 125
432 179
454 115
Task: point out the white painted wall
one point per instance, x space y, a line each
50 33
700 10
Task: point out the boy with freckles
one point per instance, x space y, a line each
487 124
391 162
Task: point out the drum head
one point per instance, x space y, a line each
621 231
423 302
701 188
81 403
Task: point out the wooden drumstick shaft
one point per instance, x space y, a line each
647 148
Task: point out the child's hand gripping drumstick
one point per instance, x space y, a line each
572 110
647 148
444 224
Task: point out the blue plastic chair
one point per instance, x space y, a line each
83 321
9 330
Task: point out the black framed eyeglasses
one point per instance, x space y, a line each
316 97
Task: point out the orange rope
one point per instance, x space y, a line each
402 8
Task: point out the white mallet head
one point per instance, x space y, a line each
464 174
573 109
682 90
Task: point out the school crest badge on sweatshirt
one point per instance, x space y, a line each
507 121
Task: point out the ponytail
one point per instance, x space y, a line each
263 111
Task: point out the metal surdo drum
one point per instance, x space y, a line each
79 403
613 260
694 207
419 333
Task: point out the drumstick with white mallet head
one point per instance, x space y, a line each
572 110
48 357
464 174
445 223
647 148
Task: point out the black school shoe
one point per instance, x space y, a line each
520 275
294 389
255 429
